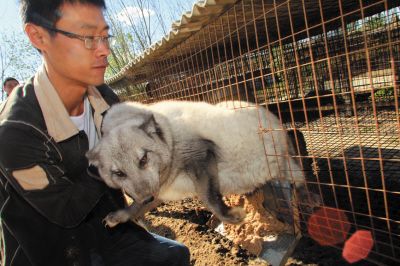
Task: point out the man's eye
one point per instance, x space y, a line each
118 173
143 162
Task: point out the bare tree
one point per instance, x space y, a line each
17 57
136 25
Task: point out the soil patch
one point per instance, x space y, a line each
186 222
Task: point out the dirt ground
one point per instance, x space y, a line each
186 222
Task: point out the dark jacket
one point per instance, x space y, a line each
50 203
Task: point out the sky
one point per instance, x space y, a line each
9 16
10 22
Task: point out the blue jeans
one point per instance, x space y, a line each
127 244
141 248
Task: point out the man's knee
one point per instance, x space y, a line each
174 253
181 254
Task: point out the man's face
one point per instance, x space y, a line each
10 85
68 57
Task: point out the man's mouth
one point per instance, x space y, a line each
100 66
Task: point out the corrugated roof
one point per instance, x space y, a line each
202 13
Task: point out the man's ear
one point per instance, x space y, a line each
37 35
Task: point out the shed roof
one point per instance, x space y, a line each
202 13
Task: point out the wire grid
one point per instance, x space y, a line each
330 70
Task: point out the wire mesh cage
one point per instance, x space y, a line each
329 70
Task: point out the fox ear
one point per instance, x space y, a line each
151 127
149 124
93 155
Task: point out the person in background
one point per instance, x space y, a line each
52 203
9 84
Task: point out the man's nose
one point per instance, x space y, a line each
103 47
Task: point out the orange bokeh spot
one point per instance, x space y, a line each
358 246
328 226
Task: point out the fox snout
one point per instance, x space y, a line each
147 200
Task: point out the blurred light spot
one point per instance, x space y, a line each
358 246
328 226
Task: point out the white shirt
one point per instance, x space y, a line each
85 122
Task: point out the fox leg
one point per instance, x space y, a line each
210 195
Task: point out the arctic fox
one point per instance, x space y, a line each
173 150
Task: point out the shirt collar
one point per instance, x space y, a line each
58 123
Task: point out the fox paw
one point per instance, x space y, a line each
115 218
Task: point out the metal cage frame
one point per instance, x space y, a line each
329 69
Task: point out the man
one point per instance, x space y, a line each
9 84
52 203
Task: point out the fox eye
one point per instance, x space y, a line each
118 173
143 162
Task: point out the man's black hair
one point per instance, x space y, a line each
8 79
45 12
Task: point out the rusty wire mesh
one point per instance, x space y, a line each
329 69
